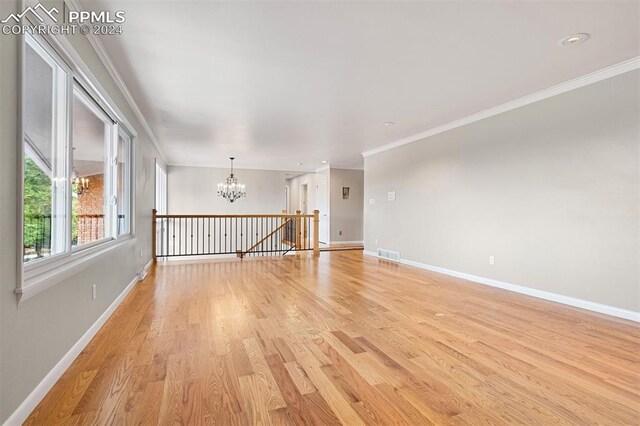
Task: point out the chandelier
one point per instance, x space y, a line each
81 183
231 190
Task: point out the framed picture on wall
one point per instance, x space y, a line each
345 192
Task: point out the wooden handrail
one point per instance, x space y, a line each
201 216
242 253
208 234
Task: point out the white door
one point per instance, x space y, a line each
161 190
161 208
322 203
303 198
286 198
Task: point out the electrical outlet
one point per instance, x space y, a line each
492 260
94 292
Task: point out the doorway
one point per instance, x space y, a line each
160 200
304 190
322 203
286 199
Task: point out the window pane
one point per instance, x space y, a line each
44 156
124 184
90 142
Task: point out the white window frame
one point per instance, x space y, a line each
40 274
108 159
121 132
63 80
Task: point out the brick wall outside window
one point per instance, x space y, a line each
90 211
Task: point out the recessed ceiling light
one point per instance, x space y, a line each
389 123
324 161
574 39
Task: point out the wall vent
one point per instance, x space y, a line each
389 255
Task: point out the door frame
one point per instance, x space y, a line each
304 197
328 207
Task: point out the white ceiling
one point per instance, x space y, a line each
278 83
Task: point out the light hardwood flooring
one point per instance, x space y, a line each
345 338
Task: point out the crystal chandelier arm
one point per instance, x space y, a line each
232 190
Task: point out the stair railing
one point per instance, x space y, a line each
240 235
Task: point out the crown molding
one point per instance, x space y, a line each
594 77
226 167
117 78
329 167
269 169
348 168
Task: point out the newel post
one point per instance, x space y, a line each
316 231
154 214
298 230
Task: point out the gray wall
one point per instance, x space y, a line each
346 215
551 190
35 335
193 190
295 185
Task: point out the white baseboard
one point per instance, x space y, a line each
143 273
541 294
40 391
337 243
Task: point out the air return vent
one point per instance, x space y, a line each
389 255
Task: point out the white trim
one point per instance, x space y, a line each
344 242
145 270
585 80
347 168
338 168
250 167
41 390
117 78
221 165
541 294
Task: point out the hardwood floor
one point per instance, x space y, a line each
345 338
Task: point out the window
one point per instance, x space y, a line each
45 155
77 165
92 133
123 199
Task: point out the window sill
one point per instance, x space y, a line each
37 280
